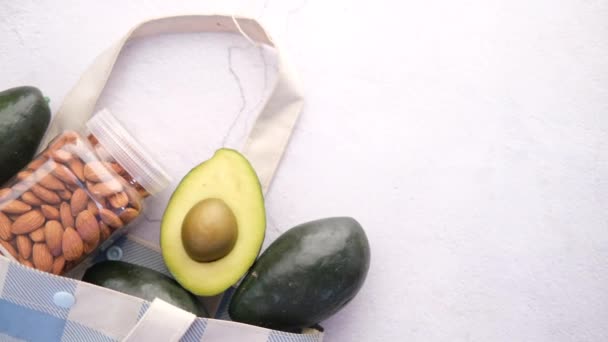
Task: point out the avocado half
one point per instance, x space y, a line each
224 186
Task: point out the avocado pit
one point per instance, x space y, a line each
209 230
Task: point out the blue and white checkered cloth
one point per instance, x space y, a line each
29 310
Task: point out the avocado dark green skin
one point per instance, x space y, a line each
24 118
308 274
144 283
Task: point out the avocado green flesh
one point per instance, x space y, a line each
143 283
24 118
305 276
227 176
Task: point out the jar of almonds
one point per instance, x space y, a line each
77 196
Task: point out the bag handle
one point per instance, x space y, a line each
161 322
272 128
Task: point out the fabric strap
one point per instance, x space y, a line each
162 322
270 132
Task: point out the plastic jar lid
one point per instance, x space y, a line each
128 152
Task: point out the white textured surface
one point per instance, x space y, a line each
469 139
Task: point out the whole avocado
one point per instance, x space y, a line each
24 118
142 282
308 274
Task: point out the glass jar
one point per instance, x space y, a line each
77 196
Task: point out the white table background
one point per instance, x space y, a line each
469 139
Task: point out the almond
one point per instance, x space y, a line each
65 213
93 208
71 244
31 199
51 182
119 200
5 193
114 167
61 156
95 196
128 178
65 175
27 263
106 188
38 235
49 212
77 169
134 197
79 201
53 232
64 195
128 215
104 230
111 219
24 246
42 258
5 227
28 222
58 265
73 188
87 226
9 248
15 207
55 144
23 175
96 171
64 140
142 192
48 196
36 163
89 247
